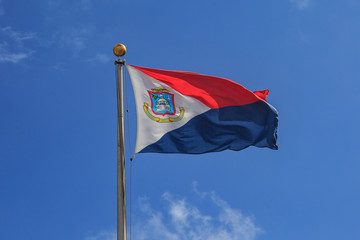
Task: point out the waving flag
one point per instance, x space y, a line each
184 112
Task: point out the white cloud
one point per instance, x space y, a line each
52 4
2 10
12 47
74 38
301 4
86 5
181 220
17 36
103 235
102 58
13 57
184 221
59 67
75 6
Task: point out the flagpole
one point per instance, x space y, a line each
119 51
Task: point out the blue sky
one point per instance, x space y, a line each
58 120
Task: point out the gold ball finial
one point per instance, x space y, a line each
119 50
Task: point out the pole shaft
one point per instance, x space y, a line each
121 192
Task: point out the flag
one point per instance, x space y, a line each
184 112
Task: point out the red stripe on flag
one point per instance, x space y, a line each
262 94
215 92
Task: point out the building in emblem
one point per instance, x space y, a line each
162 104
162 101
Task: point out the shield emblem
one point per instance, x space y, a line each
162 102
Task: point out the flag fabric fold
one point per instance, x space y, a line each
184 112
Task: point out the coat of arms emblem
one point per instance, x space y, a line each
162 104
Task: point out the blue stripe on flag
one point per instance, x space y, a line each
234 128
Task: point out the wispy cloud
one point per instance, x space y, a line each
301 4
103 235
53 4
75 6
102 58
12 47
181 220
19 37
74 38
86 5
2 10
185 221
13 57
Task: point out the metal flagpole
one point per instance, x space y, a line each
120 50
